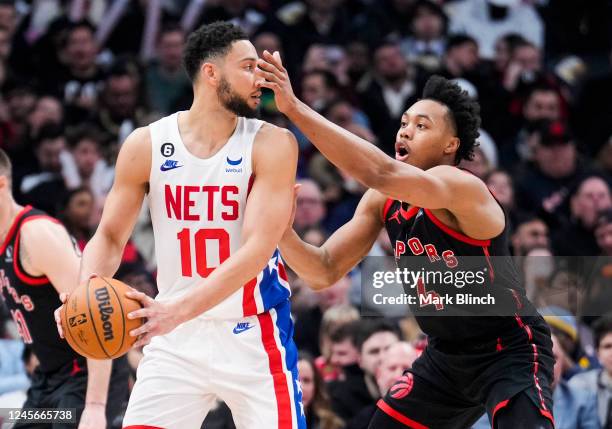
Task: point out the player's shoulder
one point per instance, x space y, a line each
41 228
274 142
135 156
270 134
374 202
140 138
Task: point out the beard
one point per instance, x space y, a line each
233 101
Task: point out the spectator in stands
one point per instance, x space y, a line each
85 166
166 80
77 215
599 381
564 325
78 83
603 232
544 185
310 210
308 322
530 232
359 388
333 319
501 185
120 110
391 92
573 407
426 44
315 399
43 185
394 361
487 20
591 196
13 378
460 58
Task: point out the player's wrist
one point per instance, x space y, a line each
93 404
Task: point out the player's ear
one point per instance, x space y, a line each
452 146
209 72
4 182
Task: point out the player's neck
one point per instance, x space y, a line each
8 213
209 122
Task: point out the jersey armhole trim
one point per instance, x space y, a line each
456 234
386 208
19 270
11 232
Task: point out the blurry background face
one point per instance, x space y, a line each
310 209
170 50
336 294
8 17
269 42
390 63
603 235
48 154
307 381
121 96
80 209
86 154
542 105
344 353
559 355
500 184
20 103
530 235
465 56
372 350
528 57
5 44
47 109
604 352
81 48
315 92
427 25
592 197
398 358
479 165
556 161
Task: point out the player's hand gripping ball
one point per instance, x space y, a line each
94 318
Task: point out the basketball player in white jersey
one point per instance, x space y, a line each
220 188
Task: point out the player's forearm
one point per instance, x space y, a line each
101 256
231 275
98 376
358 157
309 262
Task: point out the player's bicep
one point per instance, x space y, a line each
124 200
351 242
270 201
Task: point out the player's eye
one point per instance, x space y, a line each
421 126
403 124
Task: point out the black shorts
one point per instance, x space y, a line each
451 386
66 388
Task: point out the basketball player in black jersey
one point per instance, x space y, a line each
496 358
38 261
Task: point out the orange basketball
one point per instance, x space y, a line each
94 319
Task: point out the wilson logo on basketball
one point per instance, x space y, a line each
106 309
402 387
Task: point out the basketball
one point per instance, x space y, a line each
94 319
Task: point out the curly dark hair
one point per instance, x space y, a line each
464 113
208 41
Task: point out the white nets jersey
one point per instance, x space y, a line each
197 209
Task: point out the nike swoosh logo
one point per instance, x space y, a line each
241 329
232 162
172 167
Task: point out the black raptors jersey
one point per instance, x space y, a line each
32 300
449 304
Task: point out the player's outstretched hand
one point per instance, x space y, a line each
161 318
58 311
274 76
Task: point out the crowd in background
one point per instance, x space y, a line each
76 77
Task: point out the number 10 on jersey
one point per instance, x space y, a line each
200 240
